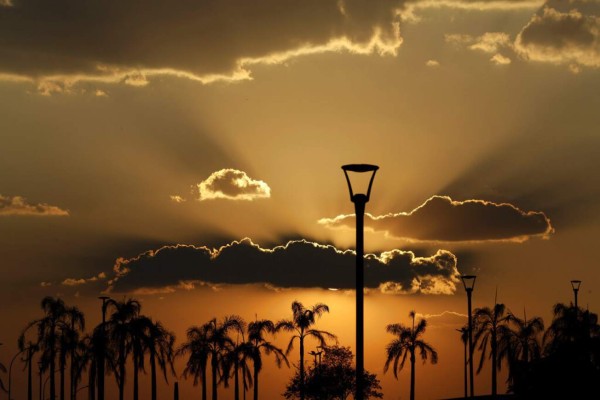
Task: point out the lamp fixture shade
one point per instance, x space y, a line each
468 281
362 187
575 284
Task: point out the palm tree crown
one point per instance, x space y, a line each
405 345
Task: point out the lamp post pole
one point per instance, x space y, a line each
101 355
575 285
469 283
360 200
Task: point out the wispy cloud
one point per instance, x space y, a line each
232 184
441 219
298 263
17 205
82 281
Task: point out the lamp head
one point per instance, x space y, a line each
362 176
468 281
575 284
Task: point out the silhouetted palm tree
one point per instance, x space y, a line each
137 344
220 344
47 329
489 326
90 351
69 338
258 343
236 361
300 324
405 345
119 334
29 349
520 345
160 346
197 347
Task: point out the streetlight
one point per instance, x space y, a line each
469 283
101 355
575 285
360 198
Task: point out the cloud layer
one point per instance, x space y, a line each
230 184
17 205
442 219
298 264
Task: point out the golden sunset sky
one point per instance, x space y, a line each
188 154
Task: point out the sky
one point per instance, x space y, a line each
189 155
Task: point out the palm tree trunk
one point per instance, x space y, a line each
203 382
301 367
121 370
29 387
92 381
494 359
62 364
52 371
236 374
72 374
412 374
153 373
213 363
135 378
255 383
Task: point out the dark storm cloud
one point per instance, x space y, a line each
442 219
298 264
61 42
17 205
563 33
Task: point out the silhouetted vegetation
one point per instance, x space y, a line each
560 362
334 378
406 344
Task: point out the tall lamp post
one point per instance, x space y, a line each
469 283
360 198
101 355
575 284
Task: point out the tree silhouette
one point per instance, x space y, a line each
405 345
2 369
47 329
29 349
300 325
489 326
119 334
333 378
137 344
520 345
197 347
160 344
69 338
236 361
257 344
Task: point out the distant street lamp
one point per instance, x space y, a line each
360 197
575 284
101 355
469 283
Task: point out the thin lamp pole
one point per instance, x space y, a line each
360 200
575 285
469 283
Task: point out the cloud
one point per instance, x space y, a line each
411 8
432 63
297 264
491 42
18 205
568 37
45 284
177 199
232 184
499 59
206 42
441 219
83 281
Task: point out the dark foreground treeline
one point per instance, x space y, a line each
562 361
